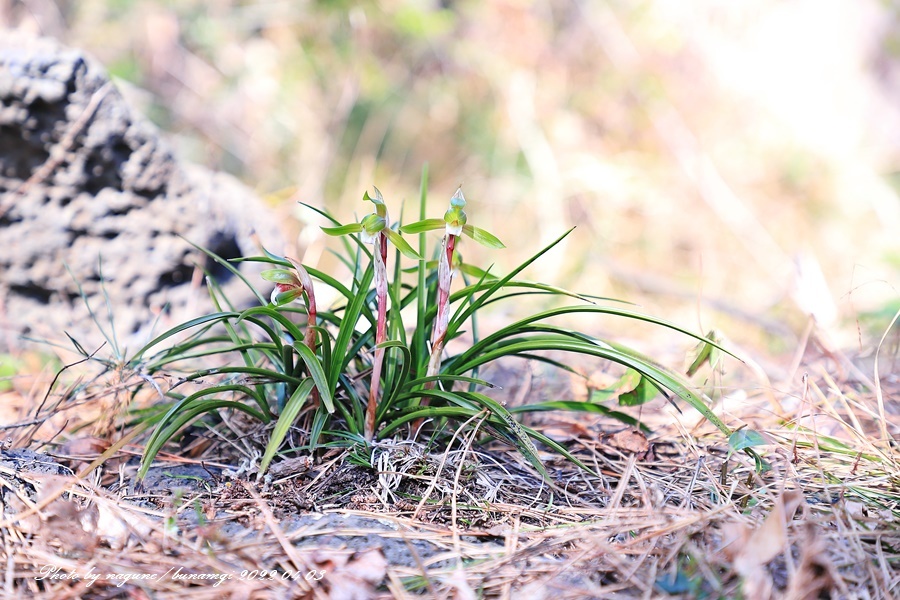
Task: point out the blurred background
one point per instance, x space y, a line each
727 164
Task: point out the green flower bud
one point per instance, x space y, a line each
455 217
373 223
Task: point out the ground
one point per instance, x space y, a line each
670 514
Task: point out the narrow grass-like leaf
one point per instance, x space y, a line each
316 274
321 418
577 406
516 327
658 374
231 268
275 315
110 339
119 354
210 318
347 329
420 352
316 372
427 412
390 396
448 378
168 428
285 422
257 372
519 436
557 447
232 330
457 321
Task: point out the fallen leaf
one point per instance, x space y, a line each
750 550
351 576
84 447
64 520
628 440
461 588
816 575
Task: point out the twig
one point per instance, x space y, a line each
286 545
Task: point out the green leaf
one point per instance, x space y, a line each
458 319
230 267
519 435
448 378
641 393
625 356
420 352
745 438
347 328
390 396
476 272
557 447
181 414
343 229
275 315
427 412
210 318
483 237
317 372
285 421
706 352
378 201
423 226
576 406
516 327
401 244
280 276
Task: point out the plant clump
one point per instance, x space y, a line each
361 371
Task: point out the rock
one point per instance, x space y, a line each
87 185
28 461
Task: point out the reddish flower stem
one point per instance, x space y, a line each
442 319
310 336
381 293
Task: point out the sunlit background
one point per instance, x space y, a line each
727 164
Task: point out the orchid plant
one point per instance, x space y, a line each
375 229
304 385
454 224
291 285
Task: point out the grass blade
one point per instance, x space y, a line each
285 422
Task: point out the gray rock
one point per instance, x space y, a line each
29 461
85 182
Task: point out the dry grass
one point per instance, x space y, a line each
471 521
